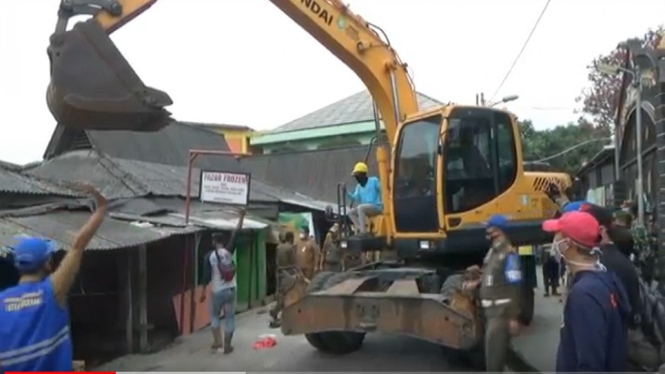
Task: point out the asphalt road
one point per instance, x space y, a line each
380 353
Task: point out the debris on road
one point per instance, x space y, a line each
266 341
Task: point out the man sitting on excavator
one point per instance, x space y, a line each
367 195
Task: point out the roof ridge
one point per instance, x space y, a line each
309 151
192 125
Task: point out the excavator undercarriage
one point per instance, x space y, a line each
336 310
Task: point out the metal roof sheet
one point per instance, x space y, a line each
355 108
311 173
11 180
120 178
62 227
169 145
201 214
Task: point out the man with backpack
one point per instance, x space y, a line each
220 272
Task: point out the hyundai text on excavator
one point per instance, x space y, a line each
443 173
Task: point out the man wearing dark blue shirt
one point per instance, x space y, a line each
594 332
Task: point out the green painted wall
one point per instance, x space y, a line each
251 270
250 259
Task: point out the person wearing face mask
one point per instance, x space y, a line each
35 335
500 296
594 331
367 195
308 254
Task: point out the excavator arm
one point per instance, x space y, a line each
346 35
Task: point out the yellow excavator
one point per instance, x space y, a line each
444 171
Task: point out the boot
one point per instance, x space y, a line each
228 348
275 323
216 338
555 292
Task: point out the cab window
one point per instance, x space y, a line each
479 158
414 183
416 158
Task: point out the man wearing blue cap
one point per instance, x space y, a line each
500 296
34 322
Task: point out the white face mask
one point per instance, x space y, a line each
303 236
559 248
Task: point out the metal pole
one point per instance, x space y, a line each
617 152
638 135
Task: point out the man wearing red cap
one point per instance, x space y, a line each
594 331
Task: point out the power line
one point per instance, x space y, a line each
505 78
574 147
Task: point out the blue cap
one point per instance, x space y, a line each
498 220
573 206
32 253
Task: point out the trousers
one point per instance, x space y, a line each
223 300
359 215
499 352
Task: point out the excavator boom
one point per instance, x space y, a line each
94 87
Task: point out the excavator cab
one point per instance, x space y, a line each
92 86
453 168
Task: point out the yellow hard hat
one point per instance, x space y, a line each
360 167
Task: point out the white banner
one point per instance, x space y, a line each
224 188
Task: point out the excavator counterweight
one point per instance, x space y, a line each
93 87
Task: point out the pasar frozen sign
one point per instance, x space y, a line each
224 188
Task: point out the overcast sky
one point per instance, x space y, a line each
243 62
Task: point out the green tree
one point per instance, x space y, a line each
556 145
600 99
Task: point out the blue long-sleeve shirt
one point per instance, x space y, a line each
593 335
370 193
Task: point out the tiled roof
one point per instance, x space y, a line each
355 108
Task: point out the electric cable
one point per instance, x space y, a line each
535 26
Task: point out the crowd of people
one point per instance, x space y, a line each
601 264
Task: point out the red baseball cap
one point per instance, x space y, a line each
580 227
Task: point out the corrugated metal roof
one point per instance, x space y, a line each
311 173
207 215
355 108
169 145
14 182
62 227
120 178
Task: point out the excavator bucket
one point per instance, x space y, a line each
93 87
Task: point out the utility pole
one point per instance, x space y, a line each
638 134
